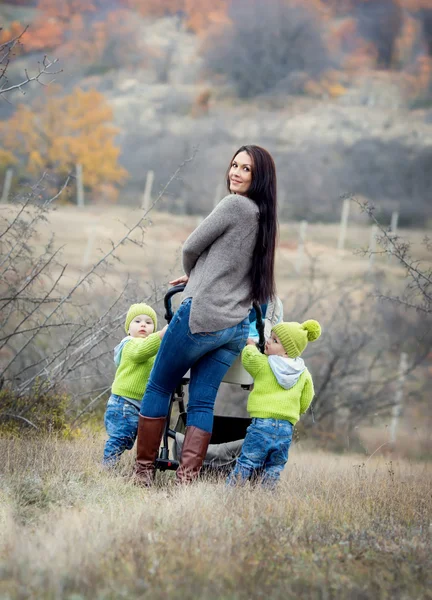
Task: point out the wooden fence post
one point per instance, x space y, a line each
79 186
7 185
393 231
300 247
397 407
343 223
372 246
146 201
394 222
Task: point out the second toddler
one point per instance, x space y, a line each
283 390
134 358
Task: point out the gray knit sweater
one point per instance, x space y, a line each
217 257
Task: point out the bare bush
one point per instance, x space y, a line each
417 293
266 45
7 53
356 363
55 333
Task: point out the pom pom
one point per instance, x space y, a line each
313 329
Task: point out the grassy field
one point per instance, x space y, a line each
338 527
85 234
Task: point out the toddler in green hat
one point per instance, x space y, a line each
134 357
283 390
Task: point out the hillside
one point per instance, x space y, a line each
367 132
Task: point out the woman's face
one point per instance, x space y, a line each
240 173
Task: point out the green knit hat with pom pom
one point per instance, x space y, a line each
295 336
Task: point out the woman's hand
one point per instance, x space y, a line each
162 332
182 279
250 342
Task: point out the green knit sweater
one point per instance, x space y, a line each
136 362
268 399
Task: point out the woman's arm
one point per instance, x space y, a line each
209 230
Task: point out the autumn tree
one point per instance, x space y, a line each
279 45
56 132
380 22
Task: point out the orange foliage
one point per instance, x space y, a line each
203 14
417 80
416 5
329 86
15 30
44 34
201 104
59 131
64 10
199 15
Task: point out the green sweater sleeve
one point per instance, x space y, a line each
253 360
139 350
307 395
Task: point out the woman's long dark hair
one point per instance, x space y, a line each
263 192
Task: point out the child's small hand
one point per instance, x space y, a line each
250 342
162 332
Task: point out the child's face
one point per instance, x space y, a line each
274 346
141 326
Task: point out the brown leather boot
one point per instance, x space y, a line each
150 432
194 449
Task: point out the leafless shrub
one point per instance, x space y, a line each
417 293
52 332
7 52
355 364
266 45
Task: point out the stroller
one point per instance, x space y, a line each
228 432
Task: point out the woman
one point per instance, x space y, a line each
229 262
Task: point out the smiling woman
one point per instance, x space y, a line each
229 263
240 173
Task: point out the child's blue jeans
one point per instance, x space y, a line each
207 355
121 424
264 453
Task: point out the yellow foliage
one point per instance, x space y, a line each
335 90
6 158
329 86
57 132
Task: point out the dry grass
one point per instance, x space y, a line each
164 238
336 528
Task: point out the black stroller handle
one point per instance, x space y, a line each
260 327
176 289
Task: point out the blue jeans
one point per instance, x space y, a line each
207 355
264 452
121 424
